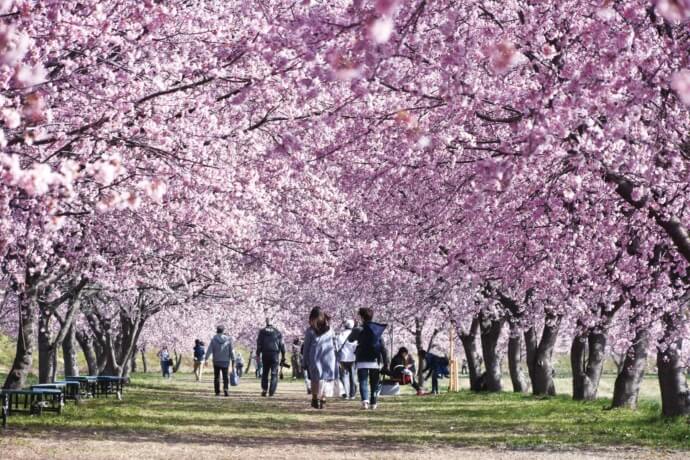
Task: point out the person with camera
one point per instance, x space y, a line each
270 350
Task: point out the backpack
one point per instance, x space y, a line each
369 343
270 342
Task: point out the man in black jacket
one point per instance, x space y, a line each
271 349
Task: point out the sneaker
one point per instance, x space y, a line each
322 404
365 405
351 398
315 403
373 407
263 393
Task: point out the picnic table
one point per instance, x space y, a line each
70 390
100 385
32 401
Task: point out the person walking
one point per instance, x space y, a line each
239 364
199 352
271 349
370 356
319 357
164 356
221 349
346 357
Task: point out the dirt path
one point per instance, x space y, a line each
310 439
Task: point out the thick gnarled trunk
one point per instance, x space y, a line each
587 355
675 399
517 376
69 353
490 334
627 387
26 341
469 345
87 347
539 356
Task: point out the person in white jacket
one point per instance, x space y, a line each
346 358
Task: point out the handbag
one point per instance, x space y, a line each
234 379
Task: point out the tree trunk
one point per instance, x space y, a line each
517 376
46 350
469 344
539 354
490 334
631 372
420 347
87 346
69 353
587 355
133 361
26 337
675 399
144 364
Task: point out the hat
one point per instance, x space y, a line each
349 324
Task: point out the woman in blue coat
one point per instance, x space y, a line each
319 357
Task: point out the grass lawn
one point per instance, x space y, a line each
184 413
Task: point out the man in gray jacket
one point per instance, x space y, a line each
223 356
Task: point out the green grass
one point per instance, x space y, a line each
185 411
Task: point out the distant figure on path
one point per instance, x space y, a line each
220 348
199 352
239 364
370 355
296 359
164 356
319 357
346 357
271 349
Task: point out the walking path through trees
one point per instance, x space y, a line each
182 419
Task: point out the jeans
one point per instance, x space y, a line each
238 369
368 377
165 368
217 371
270 363
347 379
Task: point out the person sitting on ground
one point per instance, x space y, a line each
319 357
199 352
271 349
221 349
402 368
370 355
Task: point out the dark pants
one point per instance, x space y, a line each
238 369
165 367
368 377
217 371
347 378
270 363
